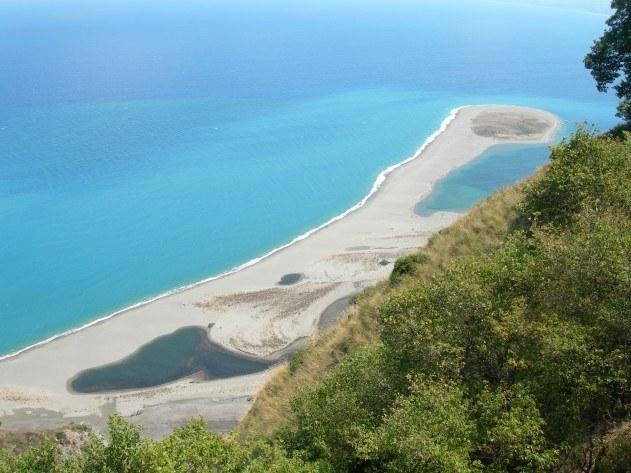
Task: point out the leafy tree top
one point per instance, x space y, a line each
610 57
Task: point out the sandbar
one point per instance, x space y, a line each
248 310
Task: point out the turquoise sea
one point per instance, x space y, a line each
146 145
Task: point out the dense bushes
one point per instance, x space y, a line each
585 173
188 449
522 355
511 360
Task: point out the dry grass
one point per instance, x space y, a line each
480 231
271 408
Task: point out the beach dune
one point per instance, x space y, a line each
262 308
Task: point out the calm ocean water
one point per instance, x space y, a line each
145 145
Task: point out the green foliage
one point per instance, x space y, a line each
46 458
524 353
332 416
610 57
618 132
189 449
121 454
7 462
406 266
418 335
40 460
427 431
296 360
510 432
585 172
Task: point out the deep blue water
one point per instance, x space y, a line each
145 144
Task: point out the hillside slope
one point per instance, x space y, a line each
503 346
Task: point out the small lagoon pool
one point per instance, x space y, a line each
189 352
183 353
500 166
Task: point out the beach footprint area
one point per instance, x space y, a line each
255 315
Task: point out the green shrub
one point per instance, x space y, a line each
406 266
426 431
331 416
586 172
296 360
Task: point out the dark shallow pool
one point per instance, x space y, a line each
289 279
183 353
500 166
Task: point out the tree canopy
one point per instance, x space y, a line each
610 57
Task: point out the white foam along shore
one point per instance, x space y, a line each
248 310
381 178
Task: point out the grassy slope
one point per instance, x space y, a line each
480 231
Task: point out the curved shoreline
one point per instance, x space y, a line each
379 180
210 347
249 312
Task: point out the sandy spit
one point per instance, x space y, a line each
249 311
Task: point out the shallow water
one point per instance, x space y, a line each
290 279
147 145
465 187
183 353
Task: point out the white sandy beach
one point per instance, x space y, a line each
250 311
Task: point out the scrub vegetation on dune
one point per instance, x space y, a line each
503 346
477 233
